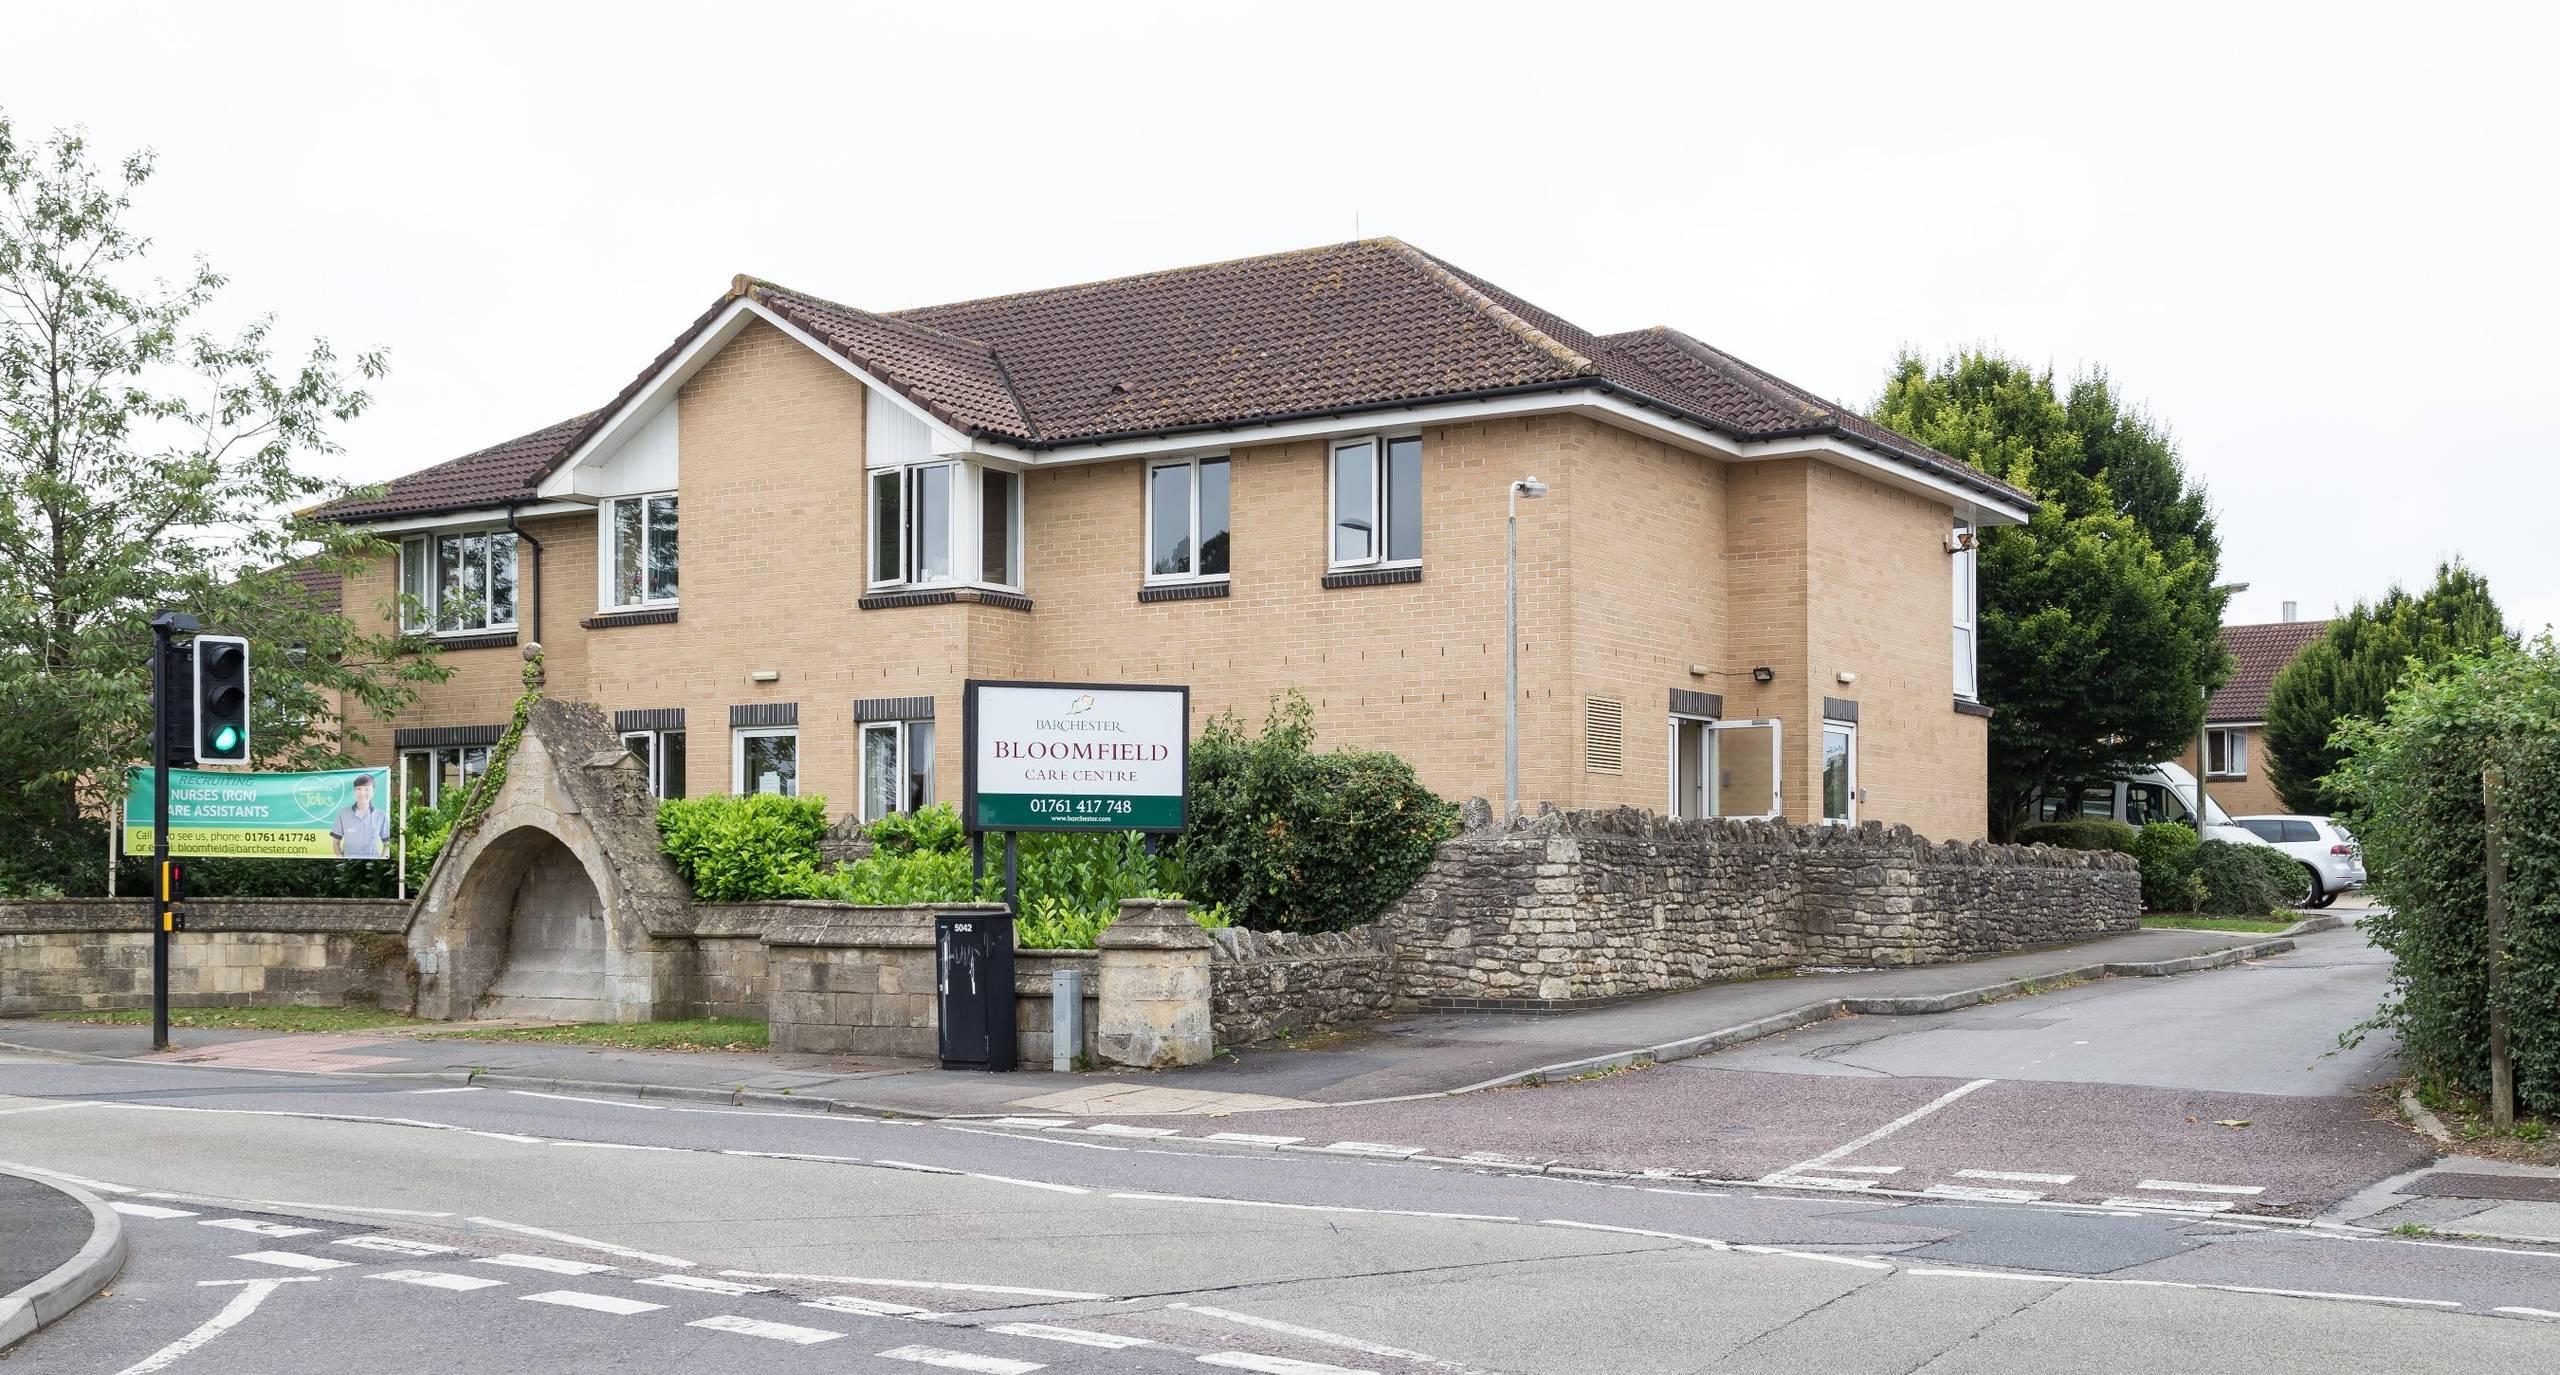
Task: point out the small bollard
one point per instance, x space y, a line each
1066 1018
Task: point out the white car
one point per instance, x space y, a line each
2323 846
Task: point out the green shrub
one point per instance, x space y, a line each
1290 839
744 849
2166 850
2243 880
2080 833
898 879
931 830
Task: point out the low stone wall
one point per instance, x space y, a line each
1566 907
1268 984
78 954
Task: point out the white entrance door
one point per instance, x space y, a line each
1840 772
1742 769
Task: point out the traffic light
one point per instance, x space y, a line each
174 687
221 699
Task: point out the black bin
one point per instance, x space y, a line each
974 964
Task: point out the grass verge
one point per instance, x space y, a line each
249 1018
699 1033
2214 924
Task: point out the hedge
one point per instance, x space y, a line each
2413 781
2082 833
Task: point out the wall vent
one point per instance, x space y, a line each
1604 734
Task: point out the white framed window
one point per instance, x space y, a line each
897 767
1724 768
914 526
765 759
1964 562
427 775
1187 520
1000 527
1374 495
458 584
661 754
1840 773
638 540
2226 752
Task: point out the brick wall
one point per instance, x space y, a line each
2253 793
65 955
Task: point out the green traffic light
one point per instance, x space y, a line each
225 739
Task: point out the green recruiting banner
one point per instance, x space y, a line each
340 814
1076 756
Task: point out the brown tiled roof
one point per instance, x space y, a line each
321 586
1342 329
2262 651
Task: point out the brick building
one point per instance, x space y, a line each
778 554
2234 768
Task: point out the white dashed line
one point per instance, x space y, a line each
264 1229
1861 1169
1318 1334
2016 1176
573 1098
869 1308
1253 1139
770 1331
952 1286
147 1210
1813 1182
1980 1195
465 1088
2173 1186
703 1284
1276 1365
1077 1336
651 1257
1043 1140
1842 1152
2528 1312
1709 1242
436 1279
543 1263
293 1260
1377 1148
2173 1205
396 1246
99 1185
1037 1124
1115 1129
1316 1207
593 1303
960 1360
990 1178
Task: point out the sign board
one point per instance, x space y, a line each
1075 756
340 814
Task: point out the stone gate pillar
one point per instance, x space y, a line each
1155 987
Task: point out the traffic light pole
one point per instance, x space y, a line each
164 627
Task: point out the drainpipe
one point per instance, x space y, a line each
525 537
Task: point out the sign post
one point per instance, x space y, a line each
165 628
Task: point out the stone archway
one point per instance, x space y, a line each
554 904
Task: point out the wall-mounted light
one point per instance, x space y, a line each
765 675
1697 670
1847 676
1764 674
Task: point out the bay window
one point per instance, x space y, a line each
897 767
945 523
639 540
1187 529
458 584
1376 501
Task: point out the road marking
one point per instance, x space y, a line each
396 1245
1253 1138
264 1229
704 1284
609 1146
960 1360
1037 1124
1316 1207
147 1210
329 1117
593 1303
2172 1205
100 1185
1276 1365
1379 1148
43 1107
1116 1129
1318 1334
1879 1134
652 1257
599 1102
466 1088
869 1308
2016 1176
246 1302
2522 1312
954 1287
1826 1257
990 1178
1078 1336
1816 1182
1980 1195
2325 1294
1044 1140
2173 1186
545 1263
1862 1169
293 1260
436 1279
1709 1242
770 1331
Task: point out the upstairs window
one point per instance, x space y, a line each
944 524
458 584
1187 532
640 552
2226 753
1963 559
1377 501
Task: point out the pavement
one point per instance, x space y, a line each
63 1245
1400 1057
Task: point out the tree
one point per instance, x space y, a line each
2348 673
2100 618
146 463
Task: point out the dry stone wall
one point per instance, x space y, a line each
1566 907
1268 984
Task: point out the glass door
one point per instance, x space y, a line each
1689 736
1742 769
1840 773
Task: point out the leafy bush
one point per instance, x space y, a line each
2082 833
744 849
2166 851
933 830
893 879
1294 840
2241 880
2413 781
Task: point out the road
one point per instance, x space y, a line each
286 1223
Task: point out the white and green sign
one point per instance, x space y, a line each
1076 756
340 814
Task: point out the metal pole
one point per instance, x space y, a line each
2502 1065
1511 658
2203 766
161 917
115 842
1012 877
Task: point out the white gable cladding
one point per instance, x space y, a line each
645 462
893 435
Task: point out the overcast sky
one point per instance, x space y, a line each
2317 241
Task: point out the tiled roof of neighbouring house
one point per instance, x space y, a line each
320 586
2262 652
1321 331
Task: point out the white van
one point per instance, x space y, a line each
2162 792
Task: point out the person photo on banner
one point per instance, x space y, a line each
361 828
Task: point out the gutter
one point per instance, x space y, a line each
526 537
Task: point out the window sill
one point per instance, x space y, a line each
645 615
2226 778
1183 591
503 639
1966 706
1373 577
891 598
